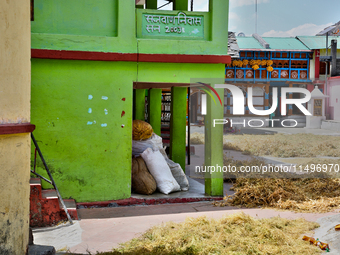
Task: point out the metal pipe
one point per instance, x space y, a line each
326 74
52 180
42 177
189 126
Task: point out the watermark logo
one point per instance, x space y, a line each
238 99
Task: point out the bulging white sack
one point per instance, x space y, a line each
154 142
177 172
160 171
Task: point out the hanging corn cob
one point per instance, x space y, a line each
270 68
255 67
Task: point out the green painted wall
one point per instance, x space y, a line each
178 125
116 27
90 162
155 109
139 104
178 73
213 146
215 40
74 17
118 36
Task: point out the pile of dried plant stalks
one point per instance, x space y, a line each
279 145
233 234
197 138
300 194
284 145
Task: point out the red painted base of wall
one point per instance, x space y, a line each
144 201
46 211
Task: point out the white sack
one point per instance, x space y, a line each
154 142
177 172
160 170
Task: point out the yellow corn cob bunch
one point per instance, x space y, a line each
270 68
235 62
245 62
252 62
263 62
269 62
255 67
141 130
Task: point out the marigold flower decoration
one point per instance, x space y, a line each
255 67
270 68
269 62
238 63
263 62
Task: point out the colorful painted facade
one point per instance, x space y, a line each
264 64
15 126
92 63
318 70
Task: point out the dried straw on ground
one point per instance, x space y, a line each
284 145
280 145
197 138
300 195
233 234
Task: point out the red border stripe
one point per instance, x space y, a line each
16 128
178 58
145 201
134 57
83 55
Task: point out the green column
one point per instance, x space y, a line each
180 5
155 110
151 4
214 146
178 125
139 104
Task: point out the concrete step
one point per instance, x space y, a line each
49 194
301 120
45 207
35 181
331 125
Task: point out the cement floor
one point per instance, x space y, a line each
196 190
101 229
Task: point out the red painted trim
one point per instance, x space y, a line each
144 201
16 128
334 78
178 58
83 55
134 57
317 64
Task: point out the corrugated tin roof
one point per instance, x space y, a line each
318 42
284 43
275 43
248 43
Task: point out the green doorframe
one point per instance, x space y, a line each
155 109
178 125
214 146
139 104
213 135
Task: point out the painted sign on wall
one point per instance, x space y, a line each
179 25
